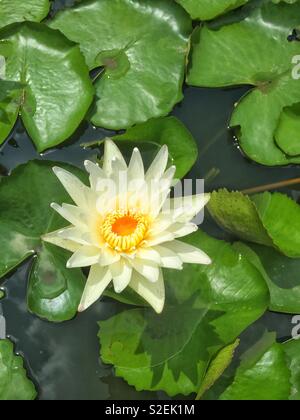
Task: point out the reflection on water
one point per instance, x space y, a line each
64 359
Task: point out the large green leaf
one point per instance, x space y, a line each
206 309
254 51
9 105
183 150
281 274
54 292
209 9
57 88
14 384
271 219
19 10
142 45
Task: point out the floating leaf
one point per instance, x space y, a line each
54 292
281 274
206 309
57 89
287 134
183 150
271 219
19 10
209 9
142 45
270 373
256 51
217 367
14 384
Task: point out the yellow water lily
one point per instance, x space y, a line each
126 226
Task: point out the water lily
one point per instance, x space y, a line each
122 227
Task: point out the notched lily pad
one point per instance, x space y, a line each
12 11
14 383
54 291
255 51
142 45
57 88
206 309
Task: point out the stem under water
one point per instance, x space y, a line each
274 186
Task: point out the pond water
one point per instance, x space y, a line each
63 360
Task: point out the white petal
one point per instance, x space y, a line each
189 253
159 164
75 234
159 238
75 188
54 239
146 268
109 256
96 173
111 153
121 273
153 293
136 166
85 256
99 278
160 224
182 229
72 214
188 207
148 254
169 258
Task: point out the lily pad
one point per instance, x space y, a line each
288 131
14 383
57 88
54 292
255 51
268 371
207 308
209 9
281 274
19 10
270 219
9 94
170 131
142 46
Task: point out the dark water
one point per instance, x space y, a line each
63 360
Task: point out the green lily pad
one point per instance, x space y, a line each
206 309
281 274
57 88
19 10
264 374
254 51
142 44
9 105
14 383
288 131
170 131
209 9
54 292
270 219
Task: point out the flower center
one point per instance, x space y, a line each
124 230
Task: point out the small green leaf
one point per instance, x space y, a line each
14 384
271 219
57 90
144 66
217 367
288 131
19 10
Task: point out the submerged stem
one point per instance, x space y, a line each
274 186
